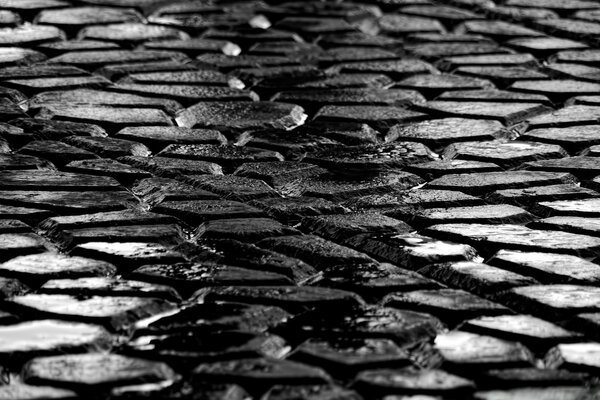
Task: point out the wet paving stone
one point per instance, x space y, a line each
538 393
105 219
92 59
582 167
422 198
293 209
575 208
432 85
260 373
340 227
187 94
379 117
173 167
128 255
233 187
552 301
568 116
395 69
485 182
154 191
502 76
507 113
450 305
325 392
482 352
54 180
582 225
412 382
490 238
40 129
410 250
109 147
485 214
572 139
504 154
440 132
474 277
24 341
56 152
198 211
70 202
291 298
115 312
157 137
76 18
243 229
95 371
535 333
556 89
197 46
17 389
101 286
38 268
435 169
131 32
529 196
530 377
497 60
201 77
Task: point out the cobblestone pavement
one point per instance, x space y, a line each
380 199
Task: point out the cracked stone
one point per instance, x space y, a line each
474 277
114 312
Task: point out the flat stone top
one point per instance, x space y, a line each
302 199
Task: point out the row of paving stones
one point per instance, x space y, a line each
320 200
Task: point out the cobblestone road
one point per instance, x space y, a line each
380 199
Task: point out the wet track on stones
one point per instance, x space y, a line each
300 200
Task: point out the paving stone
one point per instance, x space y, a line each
93 59
448 47
340 227
572 139
11 162
582 167
100 98
113 312
9 18
157 137
338 81
17 56
105 219
187 94
533 332
325 392
575 208
544 46
29 35
582 225
568 116
109 147
556 89
530 377
234 187
110 118
402 326
26 340
118 71
440 132
552 301
20 390
13 226
486 182
38 268
400 25
505 154
66 46
95 371
530 196
538 393
128 255
226 63
291 210
379 117
243 229
433 85
14 244
107 167
54 180
507 113
72 19
260 373
130 32
314 250
198 211
485 214
490 238
31 86
246 255
574 357
435 169
502 76
498 60
371 159
574 71
416 198
200 77
395 69
450 305
493 95
173 167
41 129
410 250
228 155
9 288
496 29
10 110
482 352
591 151
56 152
277 173
474 277
413 382
156 190
290 298
197 46
209 318
70 201
187 278
30 215
291 144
